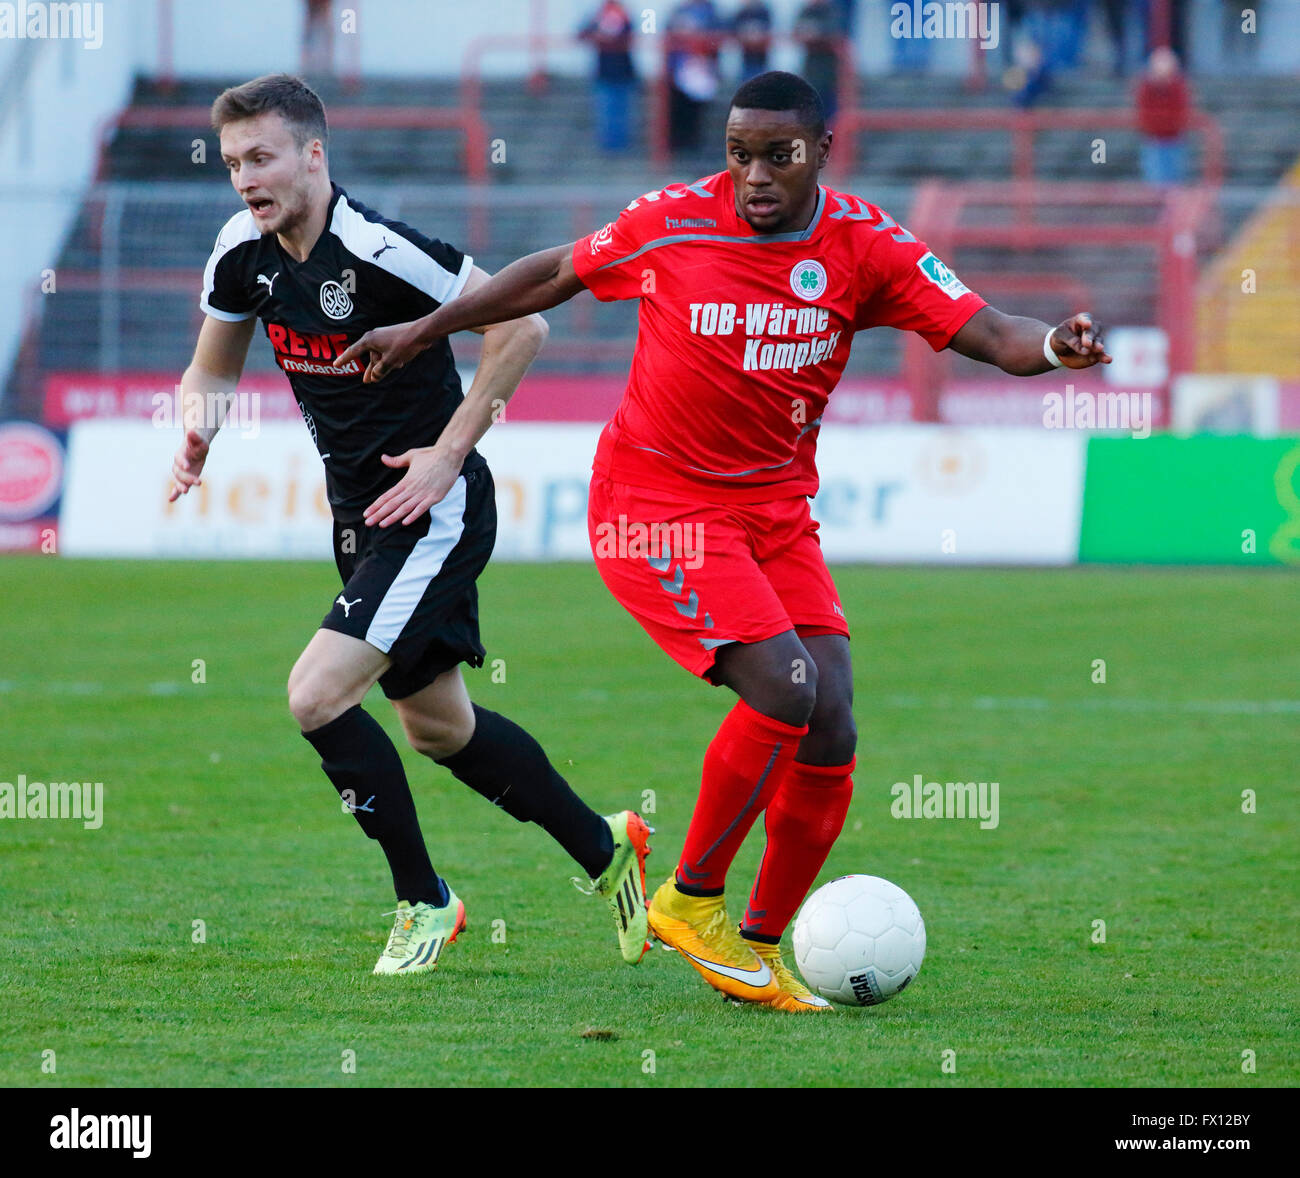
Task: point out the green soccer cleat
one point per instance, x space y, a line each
420 933
623 884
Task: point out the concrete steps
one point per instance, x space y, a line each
548 139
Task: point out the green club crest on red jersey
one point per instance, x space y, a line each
808 280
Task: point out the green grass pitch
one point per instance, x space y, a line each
1120 802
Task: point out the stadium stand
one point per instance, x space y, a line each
129 271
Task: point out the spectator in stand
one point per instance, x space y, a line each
910 53
1069 24
819 30
1164 108
1030 76
610 32
1179 12
1012 19
1142 11
1239 47
1117 14
1059 27
693 31
752 28
317 38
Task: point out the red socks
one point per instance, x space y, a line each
803 822
749 768
743 768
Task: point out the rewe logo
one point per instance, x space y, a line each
942 277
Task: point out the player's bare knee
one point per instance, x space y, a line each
803 688
838 725
837 745
314 703
438 739
436 727
790 702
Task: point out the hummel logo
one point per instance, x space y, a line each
270 282
386 246
346 604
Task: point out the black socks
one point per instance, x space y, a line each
360 760
508 767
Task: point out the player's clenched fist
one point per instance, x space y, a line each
1078 343
389 348
187 465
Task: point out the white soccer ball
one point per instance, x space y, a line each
859 940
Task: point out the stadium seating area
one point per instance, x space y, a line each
129 272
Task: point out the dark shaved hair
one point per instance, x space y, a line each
779 90
281 94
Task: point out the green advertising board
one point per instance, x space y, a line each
1197 500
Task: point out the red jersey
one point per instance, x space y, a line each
743 335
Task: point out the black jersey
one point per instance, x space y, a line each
365 271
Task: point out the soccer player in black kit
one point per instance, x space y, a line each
412 500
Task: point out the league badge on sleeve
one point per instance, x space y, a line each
941 276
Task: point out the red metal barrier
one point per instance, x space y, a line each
1174 219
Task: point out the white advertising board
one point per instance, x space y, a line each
889 493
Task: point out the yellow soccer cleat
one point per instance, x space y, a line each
699 929
623 884
420 933
793 997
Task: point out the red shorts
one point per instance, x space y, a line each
699 575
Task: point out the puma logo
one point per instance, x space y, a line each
347 605
270 282
386 246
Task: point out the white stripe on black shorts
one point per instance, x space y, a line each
410 590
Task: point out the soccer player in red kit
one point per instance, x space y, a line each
752 284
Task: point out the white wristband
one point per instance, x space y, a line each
1052 358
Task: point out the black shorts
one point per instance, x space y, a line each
409 590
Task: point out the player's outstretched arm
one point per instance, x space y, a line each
206 389
532 284
508 349
1018 345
